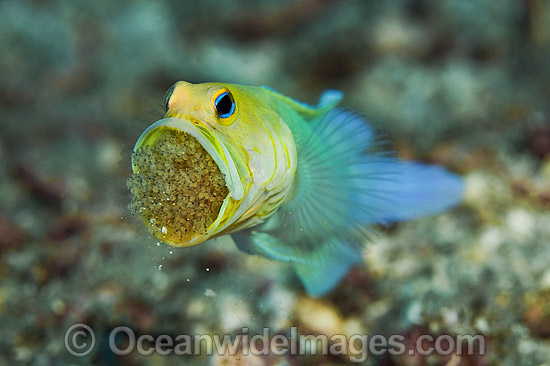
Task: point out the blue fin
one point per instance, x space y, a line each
252 241
342 185
318 277
422 190
330 98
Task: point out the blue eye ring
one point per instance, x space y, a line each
224 104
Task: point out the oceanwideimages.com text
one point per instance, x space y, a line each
80 341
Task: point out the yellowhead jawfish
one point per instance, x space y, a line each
287 180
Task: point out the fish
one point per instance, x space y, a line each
288 181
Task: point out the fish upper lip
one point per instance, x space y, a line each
212 145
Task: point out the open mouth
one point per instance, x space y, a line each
177 187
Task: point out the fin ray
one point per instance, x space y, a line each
321 277
343 185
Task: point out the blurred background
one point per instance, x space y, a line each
461 83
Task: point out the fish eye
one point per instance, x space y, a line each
224 104
167 97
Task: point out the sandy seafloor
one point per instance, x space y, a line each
462 83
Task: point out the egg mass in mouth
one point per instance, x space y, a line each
177 188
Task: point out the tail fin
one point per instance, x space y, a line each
422 190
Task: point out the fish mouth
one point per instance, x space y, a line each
183 181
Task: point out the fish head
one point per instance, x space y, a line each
210 165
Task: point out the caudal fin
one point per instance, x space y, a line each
422 190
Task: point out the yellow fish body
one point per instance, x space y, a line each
291 182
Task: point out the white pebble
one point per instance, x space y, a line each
520 223
491 239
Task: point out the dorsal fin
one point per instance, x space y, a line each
329 99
